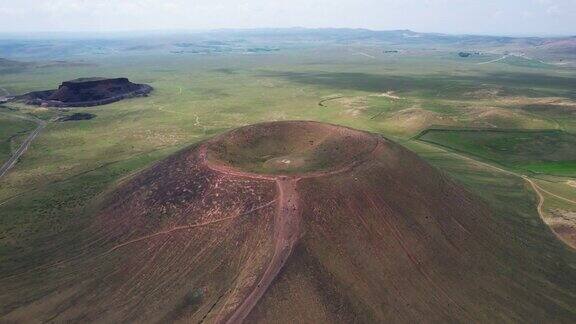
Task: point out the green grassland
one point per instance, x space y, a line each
549 152
71 165
12 129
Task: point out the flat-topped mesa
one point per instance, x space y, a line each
86 92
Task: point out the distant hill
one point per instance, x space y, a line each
266 40
10 66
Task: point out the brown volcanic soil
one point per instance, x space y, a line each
290 148
214 234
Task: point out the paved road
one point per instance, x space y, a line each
24 147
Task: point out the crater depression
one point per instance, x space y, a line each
290 147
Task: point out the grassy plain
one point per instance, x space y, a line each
52 190
541 152
11 130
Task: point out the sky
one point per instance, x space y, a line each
494 17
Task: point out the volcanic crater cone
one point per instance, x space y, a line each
291 222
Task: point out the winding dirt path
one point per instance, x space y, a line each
286 232
286 235
535 187
496 60
322 102
286 222
365 55
187 227
551 193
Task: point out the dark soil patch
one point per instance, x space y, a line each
77 117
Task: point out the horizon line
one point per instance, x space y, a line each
142 32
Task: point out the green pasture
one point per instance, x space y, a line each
12 129
548 151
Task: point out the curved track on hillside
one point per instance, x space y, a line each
286 235
287 230
495 60
535 187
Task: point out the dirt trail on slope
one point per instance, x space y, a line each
286 235
286 223
322 103
494 61
535 187
188 227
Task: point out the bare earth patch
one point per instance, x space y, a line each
563 223
488 92
354 105
558 101
285 163
414 119
389 95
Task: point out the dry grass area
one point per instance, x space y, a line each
389 95
354 106
484 93
415 119
491 117
563 223
518 100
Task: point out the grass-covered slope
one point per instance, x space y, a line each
11 131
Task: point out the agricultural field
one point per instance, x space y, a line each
504 130
539 152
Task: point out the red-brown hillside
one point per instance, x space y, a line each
288 222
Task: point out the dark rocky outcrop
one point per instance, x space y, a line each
86 92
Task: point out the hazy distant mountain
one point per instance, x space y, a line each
266 40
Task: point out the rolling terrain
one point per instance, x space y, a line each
372 234
149 194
